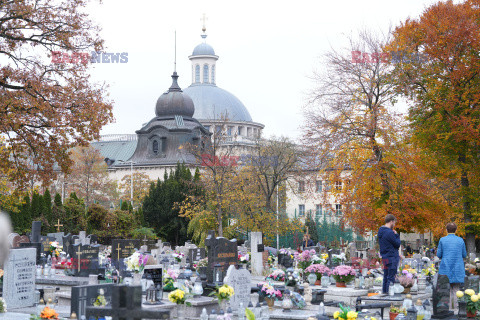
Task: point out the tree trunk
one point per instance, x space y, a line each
467 215
219 216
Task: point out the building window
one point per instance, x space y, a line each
197 73
155 146
301 186
205 73
327 186
327 211
338 209
318 186
213 74
301 209
338 185
218 130
249 132
240 130
229 131
318 210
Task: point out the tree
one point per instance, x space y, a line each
358 144
47 108
47 210
445 89
89 176
141 185
75 219
159 207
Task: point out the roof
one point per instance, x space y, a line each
212 102
203 49
117 150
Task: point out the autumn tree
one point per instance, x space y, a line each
47 108
445 89
356 141
141 185
89 177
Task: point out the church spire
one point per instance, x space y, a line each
204 28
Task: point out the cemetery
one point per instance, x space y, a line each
75 277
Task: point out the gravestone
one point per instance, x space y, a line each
441 297
196 254
123 248
19 278
239 280
45 241
67 244
220 251
84 296
257 257
17 240
85 260
472 282
93 238
38 249
154 273
12 236
58 237
36 231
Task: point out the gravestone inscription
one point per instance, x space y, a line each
154 273
240 281
45 240
19 278
220 251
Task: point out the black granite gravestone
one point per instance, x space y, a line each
45 241
36 231
84 296
154 273
85 260
220 251
123 248
196 254
441 297
472 282
67 244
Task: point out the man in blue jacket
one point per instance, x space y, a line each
452 251
389 241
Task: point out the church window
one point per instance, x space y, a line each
240 130
155 147
197 73
205 73
229 131
213 74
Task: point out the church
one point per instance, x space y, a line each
182 116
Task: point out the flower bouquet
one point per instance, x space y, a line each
322 259
277 275
136 262
343 274
473 303
243 258
430 271
304 259
100 301
291 278
345 314
169 279
406 280
55 249
178 256
177 296
223 293
268 291
318 269
47 313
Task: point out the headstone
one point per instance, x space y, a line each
84 296
36 231
19 278
82 235
11 237
472 282
17 240
58 237
441 296
45 240
239 280
196 254
154 273
257 258
121 249
93 238
38 249
220 251
67 244
85 260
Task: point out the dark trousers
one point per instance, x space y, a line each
390 266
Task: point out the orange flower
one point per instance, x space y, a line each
48 313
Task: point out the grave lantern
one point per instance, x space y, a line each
181 279
217 274
411 313
165 264
198 288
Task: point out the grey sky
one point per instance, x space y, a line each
267 50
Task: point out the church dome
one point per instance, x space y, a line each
203 49
212 102
174 102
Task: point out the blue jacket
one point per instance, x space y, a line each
389 243
452 251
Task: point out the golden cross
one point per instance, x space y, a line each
58 225
118 251
204 18
79 254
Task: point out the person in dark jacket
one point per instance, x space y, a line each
389 241
452 251
307 242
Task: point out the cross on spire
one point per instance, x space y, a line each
204 19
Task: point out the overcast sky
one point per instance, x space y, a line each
267 49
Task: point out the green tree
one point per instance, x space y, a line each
47 211
160 211
75 219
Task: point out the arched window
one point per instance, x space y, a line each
197 73
213 75
155 147
205 73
